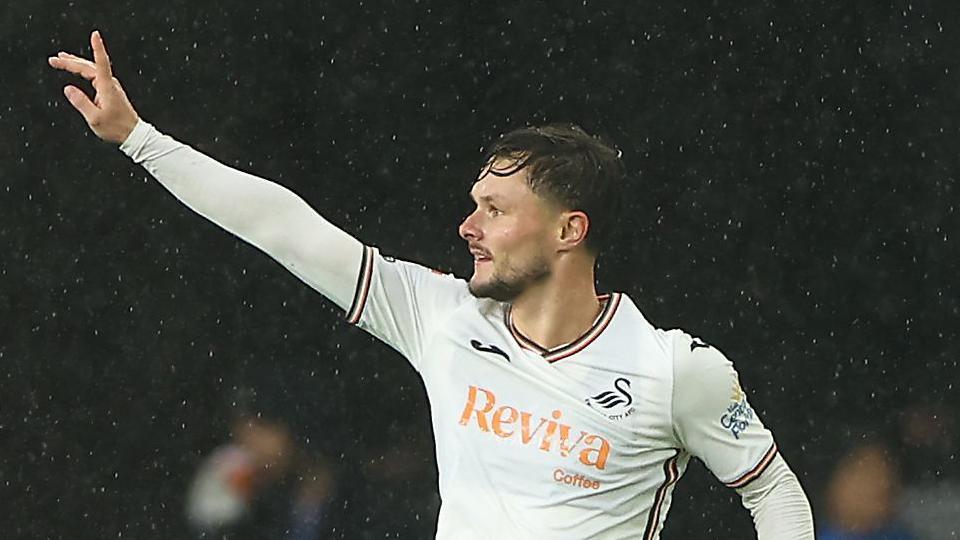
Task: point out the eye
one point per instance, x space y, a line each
493 211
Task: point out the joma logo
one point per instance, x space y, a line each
548 434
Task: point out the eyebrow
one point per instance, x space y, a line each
485 198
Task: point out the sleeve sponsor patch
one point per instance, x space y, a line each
736 419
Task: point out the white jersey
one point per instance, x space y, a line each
586 440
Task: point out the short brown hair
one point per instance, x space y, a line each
570 167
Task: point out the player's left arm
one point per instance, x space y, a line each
714 422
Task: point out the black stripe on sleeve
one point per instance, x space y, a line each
364 277
756 471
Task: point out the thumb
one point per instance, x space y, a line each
81 102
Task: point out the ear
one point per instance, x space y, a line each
573 229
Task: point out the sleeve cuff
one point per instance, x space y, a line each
137 139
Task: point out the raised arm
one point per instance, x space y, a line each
259 211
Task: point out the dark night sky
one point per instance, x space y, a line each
793 200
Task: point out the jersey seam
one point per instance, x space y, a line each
673 388
671 472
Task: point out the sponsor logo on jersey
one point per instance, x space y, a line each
737 393
549 435
614 404
698 343
488 349
736 419
620 395
561 476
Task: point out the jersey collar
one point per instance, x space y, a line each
610 301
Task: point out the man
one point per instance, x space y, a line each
557 413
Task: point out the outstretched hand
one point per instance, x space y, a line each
110 115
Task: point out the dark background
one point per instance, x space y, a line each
793 200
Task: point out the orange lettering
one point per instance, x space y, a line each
525 435
579 480
592 450
471 408
504 416
599 460
565 436
551 429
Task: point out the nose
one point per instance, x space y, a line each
469 229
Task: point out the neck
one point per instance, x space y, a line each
558 310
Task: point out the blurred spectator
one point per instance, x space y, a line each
862 497
259 485
930 504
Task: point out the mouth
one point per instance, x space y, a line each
480 255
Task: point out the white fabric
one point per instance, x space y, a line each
712 418
616 422
581 441
778 504
258 211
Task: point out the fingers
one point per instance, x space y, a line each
64 54
100 57
73 64
81 103
99 68
110 114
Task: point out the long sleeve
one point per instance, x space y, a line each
261 212
778 505
715 422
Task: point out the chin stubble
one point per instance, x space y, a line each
505 290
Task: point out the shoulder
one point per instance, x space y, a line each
665 347
410 266
705 383
699 368
415 274
693 353
629 321
400 284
